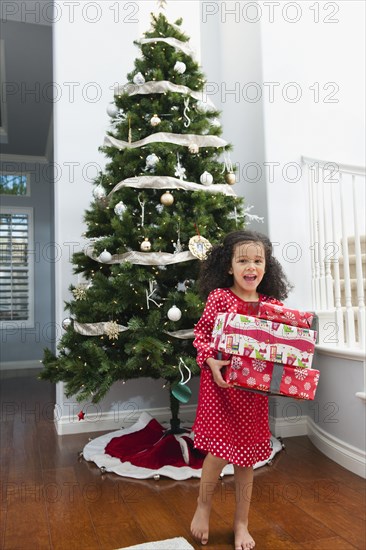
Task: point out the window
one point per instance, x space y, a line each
14 184
16 267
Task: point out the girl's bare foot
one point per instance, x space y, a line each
243 539
200 524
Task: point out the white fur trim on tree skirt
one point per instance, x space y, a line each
161 87
94 451
178 543
168 182
176 44
143 258
166 137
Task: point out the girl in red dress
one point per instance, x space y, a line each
232 425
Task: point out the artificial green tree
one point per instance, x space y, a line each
165 182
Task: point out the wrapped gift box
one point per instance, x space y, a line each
263 340
269 378
281 314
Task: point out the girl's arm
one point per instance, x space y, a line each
203 331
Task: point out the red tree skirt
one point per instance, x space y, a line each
143 451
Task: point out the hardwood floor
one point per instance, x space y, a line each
53 500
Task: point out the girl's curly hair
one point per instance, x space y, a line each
215 270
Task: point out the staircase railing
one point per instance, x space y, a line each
338 244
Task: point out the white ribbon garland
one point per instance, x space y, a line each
166 137
143 258
186 334
176 44
95 329
168 182
161 87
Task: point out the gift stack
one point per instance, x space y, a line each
271 352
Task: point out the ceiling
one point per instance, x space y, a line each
26 86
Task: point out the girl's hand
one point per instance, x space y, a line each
216 365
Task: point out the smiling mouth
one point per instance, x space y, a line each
250 278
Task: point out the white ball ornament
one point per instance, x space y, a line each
112 110
105 257
99 192
139 79
145 245
180 67
174 313
206 178
155 120
167 199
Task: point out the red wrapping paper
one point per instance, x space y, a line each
269 378
281 314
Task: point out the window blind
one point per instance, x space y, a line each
15 269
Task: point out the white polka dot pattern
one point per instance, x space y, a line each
230 423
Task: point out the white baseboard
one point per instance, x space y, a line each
348 456
291 426
20 365
109 421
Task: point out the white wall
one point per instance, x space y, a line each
331 56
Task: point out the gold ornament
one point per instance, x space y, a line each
199 247
79 292
230 178
111 329
167 199
146 245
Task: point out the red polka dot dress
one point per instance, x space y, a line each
230 423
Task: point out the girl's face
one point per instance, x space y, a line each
247 267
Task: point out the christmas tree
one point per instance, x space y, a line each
163 199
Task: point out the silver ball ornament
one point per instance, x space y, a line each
139 79
151 161
206 178
174 313
112 110
167 199
66 323
145 245
120 209
105 257
193 148
155 120
156 477
99 192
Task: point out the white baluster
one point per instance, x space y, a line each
359 275
321 230
316 242
312 237
336 230
349 317
328 248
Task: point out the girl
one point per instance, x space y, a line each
231 424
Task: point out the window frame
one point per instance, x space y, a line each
28 323
16 173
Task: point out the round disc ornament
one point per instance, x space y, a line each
206 178
199 247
